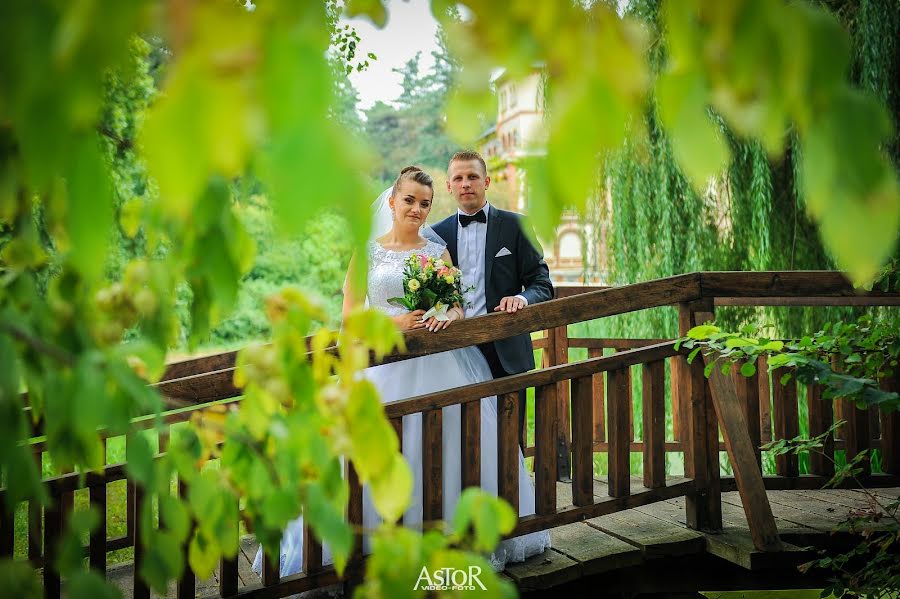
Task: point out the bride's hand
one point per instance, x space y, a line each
435 325
410 320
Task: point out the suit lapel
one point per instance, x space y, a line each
453 228
491 243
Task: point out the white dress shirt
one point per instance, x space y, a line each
470 248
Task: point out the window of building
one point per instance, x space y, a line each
570 245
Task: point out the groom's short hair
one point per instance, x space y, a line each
465 156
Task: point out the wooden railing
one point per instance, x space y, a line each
580 408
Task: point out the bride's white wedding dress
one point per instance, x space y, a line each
419 376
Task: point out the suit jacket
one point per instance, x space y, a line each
523 272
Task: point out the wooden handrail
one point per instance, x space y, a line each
574 304
432 401
538 378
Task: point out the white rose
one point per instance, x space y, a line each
439 263
413 285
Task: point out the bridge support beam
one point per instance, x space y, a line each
701 455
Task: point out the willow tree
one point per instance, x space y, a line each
252 91
753 214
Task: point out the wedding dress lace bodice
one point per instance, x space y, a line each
386 274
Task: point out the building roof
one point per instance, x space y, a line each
488 132
500 74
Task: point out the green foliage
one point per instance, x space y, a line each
866 352
870 568
751 216
119 221
19 579
316 261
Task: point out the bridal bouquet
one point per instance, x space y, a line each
429 284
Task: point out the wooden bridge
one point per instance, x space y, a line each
619 535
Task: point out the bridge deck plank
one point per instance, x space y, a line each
628 538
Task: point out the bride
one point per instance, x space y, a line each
400 213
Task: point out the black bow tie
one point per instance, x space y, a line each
465 219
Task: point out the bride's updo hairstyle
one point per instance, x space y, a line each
413 173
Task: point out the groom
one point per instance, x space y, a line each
496 256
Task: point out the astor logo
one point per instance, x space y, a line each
450 579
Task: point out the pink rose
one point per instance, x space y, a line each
443 271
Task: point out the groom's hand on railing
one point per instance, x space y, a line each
510 304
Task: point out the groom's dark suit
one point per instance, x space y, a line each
521 271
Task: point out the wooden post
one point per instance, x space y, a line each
312 550
53 522
354 506
35 524
140 590
743 460
619 439
747 389
432 465
97 543
599 423
397 423
228 576
821 417
130 509
7 523
765 400
355 565
470 442
563 435
187 584
654 412
890 429
582 445
508 448
703 506
228 567
545 436
856 434
787 423
629 403
678 405
271 569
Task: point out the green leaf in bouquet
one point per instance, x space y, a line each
429 298
401 302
